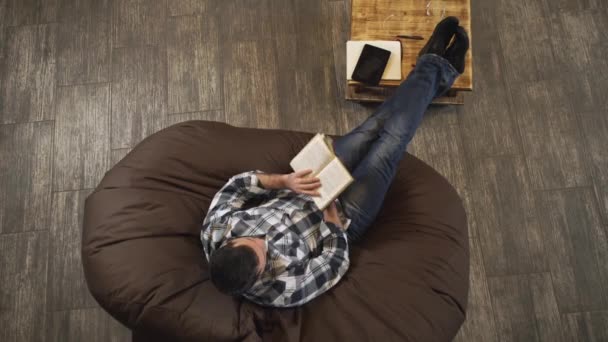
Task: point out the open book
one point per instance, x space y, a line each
319 156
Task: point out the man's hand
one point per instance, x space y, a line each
302 183
330 214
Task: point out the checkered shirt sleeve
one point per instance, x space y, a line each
231 197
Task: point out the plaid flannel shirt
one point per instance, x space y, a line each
306 256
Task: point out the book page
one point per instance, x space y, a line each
334 179
315 155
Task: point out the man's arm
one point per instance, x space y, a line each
273 181
304 282
300 182
234 194
248 185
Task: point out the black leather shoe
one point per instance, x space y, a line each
442 35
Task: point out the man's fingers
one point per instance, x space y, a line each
302 173
311 186
308 180
312 193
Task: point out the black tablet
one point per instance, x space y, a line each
371 65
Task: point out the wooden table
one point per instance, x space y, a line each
385 19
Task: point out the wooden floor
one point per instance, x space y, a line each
82 82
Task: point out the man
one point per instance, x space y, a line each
264 237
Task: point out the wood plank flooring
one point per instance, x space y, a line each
82 82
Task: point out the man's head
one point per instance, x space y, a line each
236 266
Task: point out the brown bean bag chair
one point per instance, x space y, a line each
143 260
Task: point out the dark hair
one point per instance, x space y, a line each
233 270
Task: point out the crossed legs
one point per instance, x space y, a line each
373 150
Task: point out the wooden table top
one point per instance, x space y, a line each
385 19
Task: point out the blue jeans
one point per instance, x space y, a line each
373 150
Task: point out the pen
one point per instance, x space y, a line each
410 37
